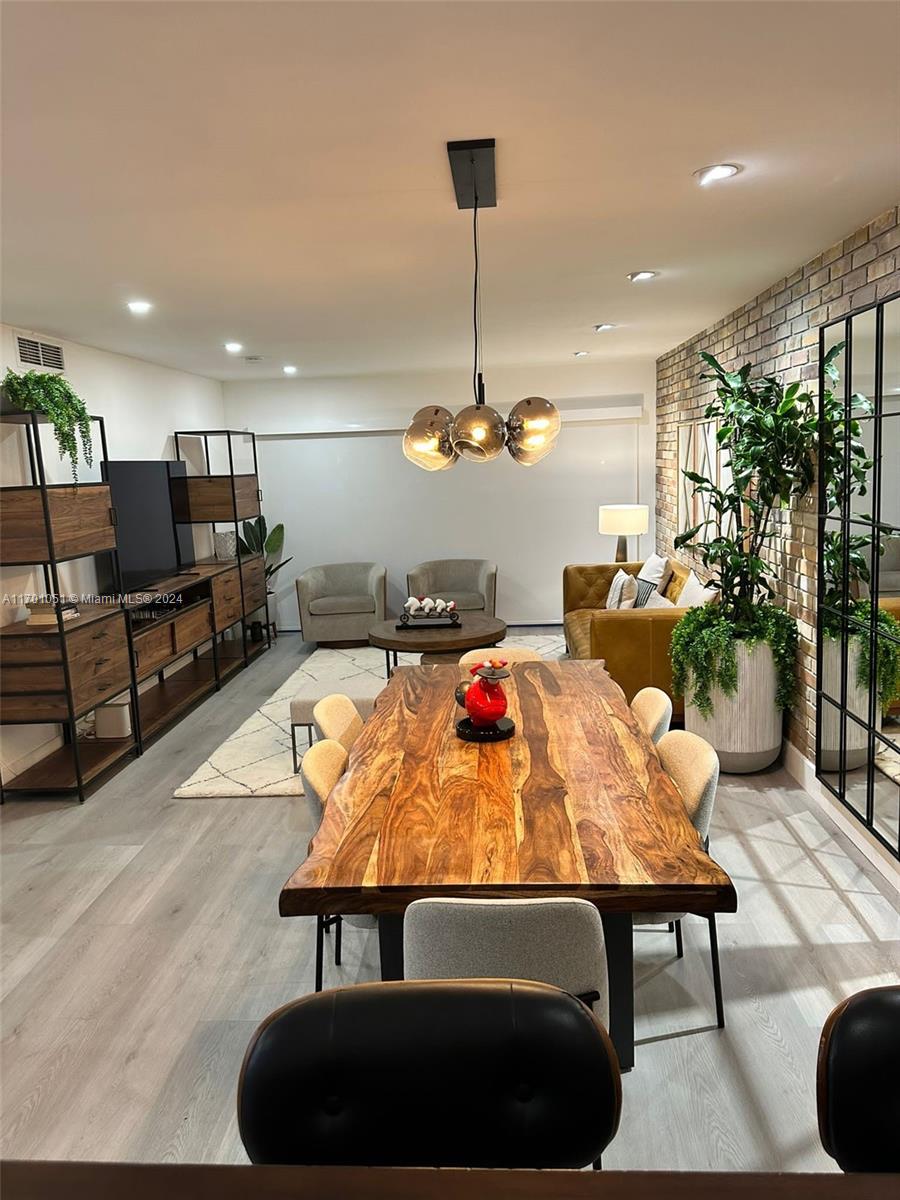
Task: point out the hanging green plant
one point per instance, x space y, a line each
704 656
50 394
887 666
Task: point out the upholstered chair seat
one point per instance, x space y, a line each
693 766
553 940
340 602
512 654
471 582
337 718
653 709
321 768
461 1073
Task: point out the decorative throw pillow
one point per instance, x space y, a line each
614 595
629 592
655 600
656 570
694 593
645 589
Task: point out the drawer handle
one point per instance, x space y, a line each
102 662
98 637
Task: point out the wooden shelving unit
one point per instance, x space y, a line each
56 674
167 655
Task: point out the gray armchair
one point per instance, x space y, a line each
471 582
340 602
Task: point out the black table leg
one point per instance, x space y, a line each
390 943
618 932
387 664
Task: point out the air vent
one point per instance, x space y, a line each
253 358
36 353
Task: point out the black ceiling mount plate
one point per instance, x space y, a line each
462 155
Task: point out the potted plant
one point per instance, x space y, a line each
734 660
258 539
44 392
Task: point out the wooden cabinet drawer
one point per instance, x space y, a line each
81 521
32 648
192 627
48 677
97 677
97 639
253 576
153 647
226 594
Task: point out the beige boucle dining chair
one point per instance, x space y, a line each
556 940
653 709
512 654
320 770
336 717
693 766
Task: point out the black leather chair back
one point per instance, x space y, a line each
859 1082
458 1073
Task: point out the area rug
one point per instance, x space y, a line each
256 759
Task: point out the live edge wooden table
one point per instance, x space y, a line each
473 631
575 804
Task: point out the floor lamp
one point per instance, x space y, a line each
624 520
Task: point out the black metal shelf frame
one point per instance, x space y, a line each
229 434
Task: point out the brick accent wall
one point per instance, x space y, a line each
778 333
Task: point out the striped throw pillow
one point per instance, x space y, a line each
645 590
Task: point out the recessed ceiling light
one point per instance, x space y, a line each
289 370
582 353
715 172
603 327
140 308
641 276
233 347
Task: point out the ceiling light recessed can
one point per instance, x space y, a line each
582 353
641 276
603 327
234 347
140 308
715 172
289 370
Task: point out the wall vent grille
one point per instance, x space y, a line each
34 352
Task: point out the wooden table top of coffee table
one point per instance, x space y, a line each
576 803
474 630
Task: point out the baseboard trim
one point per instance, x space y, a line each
800 768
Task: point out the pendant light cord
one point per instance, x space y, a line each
478 362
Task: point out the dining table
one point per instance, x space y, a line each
576 803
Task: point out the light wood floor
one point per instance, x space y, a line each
141 946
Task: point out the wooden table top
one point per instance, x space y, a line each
576 803
474 630
150 1181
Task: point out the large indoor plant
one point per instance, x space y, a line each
735 659
52 395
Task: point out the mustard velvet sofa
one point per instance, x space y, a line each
634 642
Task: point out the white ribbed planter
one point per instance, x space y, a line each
857 703
745 729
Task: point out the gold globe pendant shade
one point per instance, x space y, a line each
478 433
426 441
534 418
527 456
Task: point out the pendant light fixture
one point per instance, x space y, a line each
434 439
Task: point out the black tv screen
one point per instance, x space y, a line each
151 545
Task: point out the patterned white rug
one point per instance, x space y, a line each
256 759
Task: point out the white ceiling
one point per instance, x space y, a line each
275 173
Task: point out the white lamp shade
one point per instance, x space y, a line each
624 519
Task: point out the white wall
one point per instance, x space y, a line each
142 404
331 468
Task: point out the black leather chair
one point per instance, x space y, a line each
438 1073
858 1082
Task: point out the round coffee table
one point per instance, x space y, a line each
473 631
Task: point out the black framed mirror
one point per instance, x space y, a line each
858 614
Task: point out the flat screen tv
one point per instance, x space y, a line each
151 545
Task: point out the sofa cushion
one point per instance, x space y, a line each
335 605
672 590
465 601
577 624
656 570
